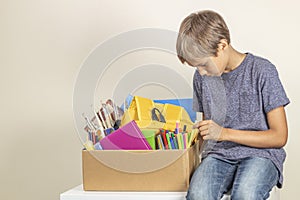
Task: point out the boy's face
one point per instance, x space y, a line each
209 66
213 65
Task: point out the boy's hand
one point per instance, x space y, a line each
209 130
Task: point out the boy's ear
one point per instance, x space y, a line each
223 44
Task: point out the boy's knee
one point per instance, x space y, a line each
200 193
248 193
195 195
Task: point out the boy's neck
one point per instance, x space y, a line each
235 58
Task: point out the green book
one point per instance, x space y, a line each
150 136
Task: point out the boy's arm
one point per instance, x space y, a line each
274 137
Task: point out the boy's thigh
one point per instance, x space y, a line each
211 179
254 179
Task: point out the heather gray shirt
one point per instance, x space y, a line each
240 100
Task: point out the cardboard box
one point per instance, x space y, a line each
139 170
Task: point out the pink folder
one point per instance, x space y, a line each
127 137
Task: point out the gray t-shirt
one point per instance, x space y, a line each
240 100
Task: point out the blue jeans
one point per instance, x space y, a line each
248 179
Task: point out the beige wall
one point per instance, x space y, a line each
43 43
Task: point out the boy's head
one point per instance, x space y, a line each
200 35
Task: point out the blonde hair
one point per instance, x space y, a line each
199 35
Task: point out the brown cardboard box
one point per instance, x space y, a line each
135 170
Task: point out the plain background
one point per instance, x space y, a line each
43 44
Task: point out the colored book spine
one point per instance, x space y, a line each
165 140
169 143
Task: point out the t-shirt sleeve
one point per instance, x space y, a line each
273 93
197 99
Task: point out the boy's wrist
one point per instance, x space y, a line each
224 134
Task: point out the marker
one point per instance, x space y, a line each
177 127
184 128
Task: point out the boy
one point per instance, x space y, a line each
242 101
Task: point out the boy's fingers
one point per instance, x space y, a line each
196 126
204 127
206 137
201 124
204 133
204 122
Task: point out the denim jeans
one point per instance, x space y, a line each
248 179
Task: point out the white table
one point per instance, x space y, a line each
77 193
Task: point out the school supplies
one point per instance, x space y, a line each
97 146
177 127
116 113
186 103
152 115
109 130
166 139
100 129
180 140
193 137
150 136
159 142
89 145
102 134
128 137
107 116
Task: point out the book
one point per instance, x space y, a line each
150 136
127 137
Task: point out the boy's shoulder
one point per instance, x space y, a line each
261 60
262 65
